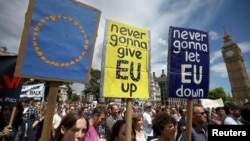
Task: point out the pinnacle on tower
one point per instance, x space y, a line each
225 31
227 37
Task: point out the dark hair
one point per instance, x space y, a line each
116 129
69 121
230 106
160 120
99 110
17 118
181 110
217 109
24 99
245 111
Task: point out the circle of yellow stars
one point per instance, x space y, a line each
53 18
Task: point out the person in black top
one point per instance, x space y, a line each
9 132
245 113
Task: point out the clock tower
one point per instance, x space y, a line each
237 73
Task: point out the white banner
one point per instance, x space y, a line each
212 103
33 91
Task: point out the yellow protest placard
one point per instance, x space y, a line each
126 61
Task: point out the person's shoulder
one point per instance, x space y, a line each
156 139
108 118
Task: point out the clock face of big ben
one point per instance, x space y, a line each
229 53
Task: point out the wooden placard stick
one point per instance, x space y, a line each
189 119
47 128
128 119
12 116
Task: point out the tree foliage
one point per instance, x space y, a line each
219 93
74 97
93 86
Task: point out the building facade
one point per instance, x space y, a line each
237 73
164 96
155 93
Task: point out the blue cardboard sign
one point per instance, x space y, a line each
60 40
188 63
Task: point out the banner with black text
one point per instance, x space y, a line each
33 91
10 86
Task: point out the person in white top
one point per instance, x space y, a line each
56 120
147 122
232 114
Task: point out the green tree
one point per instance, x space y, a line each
219 93
74 97
93 86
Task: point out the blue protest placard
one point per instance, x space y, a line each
60 40
188 63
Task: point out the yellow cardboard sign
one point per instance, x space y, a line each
126 66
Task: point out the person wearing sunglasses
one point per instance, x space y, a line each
199 125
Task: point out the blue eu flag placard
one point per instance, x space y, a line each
188 63
58 40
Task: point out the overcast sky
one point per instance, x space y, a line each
156 16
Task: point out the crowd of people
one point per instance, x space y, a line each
107 122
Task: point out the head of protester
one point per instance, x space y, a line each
232 114
73 127
245 113
118 132
165 126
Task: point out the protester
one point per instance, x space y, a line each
165 126
73 127
113 117
85 112
5 129
40 124
232 114
175 113
199 125
98 118
137 121
118 132
9 133
217 117
147 122
30 120
245 113
182 122
57 118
